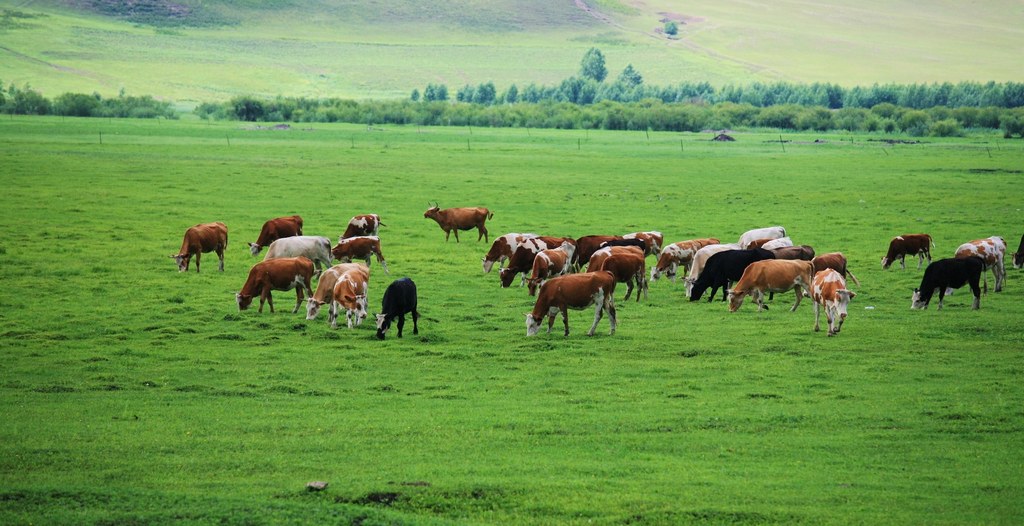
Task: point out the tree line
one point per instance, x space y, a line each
28 101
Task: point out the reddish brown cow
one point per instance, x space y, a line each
908 245
835 261
551 263
522 259
350 294
361 247
587 245
503 248
455 219
324 293
276 274
363 225
206 237
626 266
573 291
829 292
775 275
275 229
804 252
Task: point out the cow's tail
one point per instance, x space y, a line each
490 215
854 278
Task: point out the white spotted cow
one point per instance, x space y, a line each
678 254
991 250
829 292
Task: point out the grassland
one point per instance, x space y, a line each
132 393
362 49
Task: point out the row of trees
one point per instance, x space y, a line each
648 114
28 101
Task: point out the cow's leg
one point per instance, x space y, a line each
384 264
332 315
942 294
758 297
456 231
270 298
977 294
565 319
1000 271
415 321
551 320
348 317
799 296
640 276
483 230
401 323
629 289
903 262
817 316
448 233
920 260
298 298
220 254
198 255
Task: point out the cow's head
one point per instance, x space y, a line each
735 299
254 248
916 302
182 260
843 298
532 325
432 211
313 308
383 324
507 275
885 262
488 264
243 300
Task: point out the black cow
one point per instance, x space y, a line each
951 273
723 267
399 299
1018 256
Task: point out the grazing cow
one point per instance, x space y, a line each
350 294
276 274
324 293
275 229
700 258
587 245
455 219
206 237
627 266
676 254
1018 256
573 291
774 275
360 247
652 238
725 267
521 261
804 252
829 292
362 225
399 299
951 273
638 243
316 248
777 243
550 263
503 248
992 250
835 261
908 245
771 232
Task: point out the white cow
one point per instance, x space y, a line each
771 232
316 248
778 243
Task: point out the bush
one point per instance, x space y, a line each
945 128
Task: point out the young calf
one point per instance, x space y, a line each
276 274
829 292
324 294
350 294
359 247
399 299
775 275
573 291
949 273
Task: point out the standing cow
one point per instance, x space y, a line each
399 300
350 294
503 248
276 274
678 254
324 293
1018 256
455 219
770 232
951 273
316 248
363 225
275 229
360 247
206 237
774 275
991 250
551 263
573 291
626 263
908 245
829 292
725 267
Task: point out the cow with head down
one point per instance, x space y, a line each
205 237
276 274
678 254
772 275
1018 256
503 248
551 263
324 293
350 295
274 229
908 245
573 291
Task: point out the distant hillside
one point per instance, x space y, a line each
199 50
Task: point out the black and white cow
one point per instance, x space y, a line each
399 299
950 273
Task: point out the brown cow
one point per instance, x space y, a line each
908 245
676 254
829 292
835 261
455 219
587 245
276 274
361 247
522 259
363 225
550 263
804 252
573 291
324 294
503 248
275 229
652 238
626 264
350 294
206 237
775 275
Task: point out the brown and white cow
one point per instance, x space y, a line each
573 291
829 292
991 250
205 237
835 261
316 248
627 264
503 248
772 275
521 261
455 219
908 245
770 232
362 225
1018 256
587 245
360 247
324 293
276 274
350 295
275 229
551 263
804 252
652 238
700 258
678 254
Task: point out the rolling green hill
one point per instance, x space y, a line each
188 50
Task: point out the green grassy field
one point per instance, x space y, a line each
366 49
134 394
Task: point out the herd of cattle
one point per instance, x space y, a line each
762 260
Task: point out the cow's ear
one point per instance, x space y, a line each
349 297
853 294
